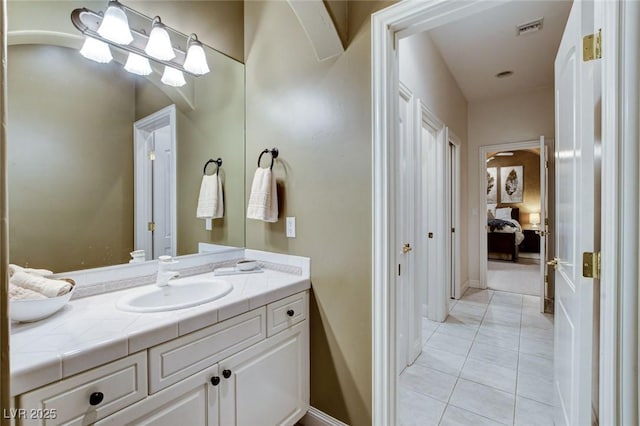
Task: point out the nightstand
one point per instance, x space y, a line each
531 243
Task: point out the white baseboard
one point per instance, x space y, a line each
474 283
316 417
463 288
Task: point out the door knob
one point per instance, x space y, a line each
406 248
553 263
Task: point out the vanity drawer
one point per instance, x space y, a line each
180 358
286 312
84 398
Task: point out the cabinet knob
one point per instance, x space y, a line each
290 312
96 398
226 373
215 380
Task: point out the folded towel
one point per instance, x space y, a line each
15 268
210 201
263 201
45 286
19 293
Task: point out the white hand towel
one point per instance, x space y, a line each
210 201
263 201
19 293
45 286
15 268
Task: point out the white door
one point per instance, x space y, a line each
543 221
575 207
162 202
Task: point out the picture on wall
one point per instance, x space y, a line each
492 185
511 181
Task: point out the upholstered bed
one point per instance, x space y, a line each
504 234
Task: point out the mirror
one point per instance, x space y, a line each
72 168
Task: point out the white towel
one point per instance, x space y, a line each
15 268
19 293
263 200
45 286
210 201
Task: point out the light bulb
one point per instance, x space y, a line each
159 44
96 50
196 61
115 25
137 64
173 77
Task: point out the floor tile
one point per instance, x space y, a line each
538 347
535 386
533 413
494 354
484 400
415 409
427 381
507 299
443 361
538 320
490 374
502 340
536 365
478 295
461 331
445 342
454 416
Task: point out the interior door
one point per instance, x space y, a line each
162 172
543 220
574 107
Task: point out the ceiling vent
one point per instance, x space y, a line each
529 27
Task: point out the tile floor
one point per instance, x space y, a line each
490 363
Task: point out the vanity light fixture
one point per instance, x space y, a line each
159 44
196 61
96 51
151 40
115 25
137 64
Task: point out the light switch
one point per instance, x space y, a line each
291 227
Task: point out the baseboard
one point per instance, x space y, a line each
315 417
463 288
474 283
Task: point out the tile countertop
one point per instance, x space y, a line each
91 331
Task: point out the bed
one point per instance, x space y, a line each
504 234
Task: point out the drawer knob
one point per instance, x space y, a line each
226 373
290 312
96 398
215 380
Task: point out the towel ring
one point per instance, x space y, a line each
218 163
274 154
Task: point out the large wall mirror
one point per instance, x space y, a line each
71 144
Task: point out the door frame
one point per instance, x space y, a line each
482 217
619 245
143 190
453 217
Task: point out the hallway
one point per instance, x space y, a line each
489 363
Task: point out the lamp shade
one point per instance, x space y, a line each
137 64
196 60
534 218
159 44
115 25
96 50
173 77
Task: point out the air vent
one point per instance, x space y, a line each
529 27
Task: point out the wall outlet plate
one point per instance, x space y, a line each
291 227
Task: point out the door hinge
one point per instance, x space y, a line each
546 221
152 155
398 269
546 279
546 164
592 46
591 265
453 230
151 226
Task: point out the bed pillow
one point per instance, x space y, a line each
503 213
491 211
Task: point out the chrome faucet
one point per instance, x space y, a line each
164 274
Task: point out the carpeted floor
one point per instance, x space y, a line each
522 277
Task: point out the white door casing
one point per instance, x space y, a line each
574 165
544 228
453 215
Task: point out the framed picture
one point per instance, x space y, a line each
511 184
492 185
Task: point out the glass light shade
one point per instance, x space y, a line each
534 218
196 61
115 25
173 77
137 64
96 50
159 44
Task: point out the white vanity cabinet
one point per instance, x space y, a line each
249 370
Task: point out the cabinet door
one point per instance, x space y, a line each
267 384
191 402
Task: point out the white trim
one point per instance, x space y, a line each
455 140
315 417
463 288
473 284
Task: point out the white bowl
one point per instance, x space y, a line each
247 265
37 309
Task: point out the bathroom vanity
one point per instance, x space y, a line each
240 360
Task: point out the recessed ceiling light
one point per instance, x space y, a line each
504 154
504 74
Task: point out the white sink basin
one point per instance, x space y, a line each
179 294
